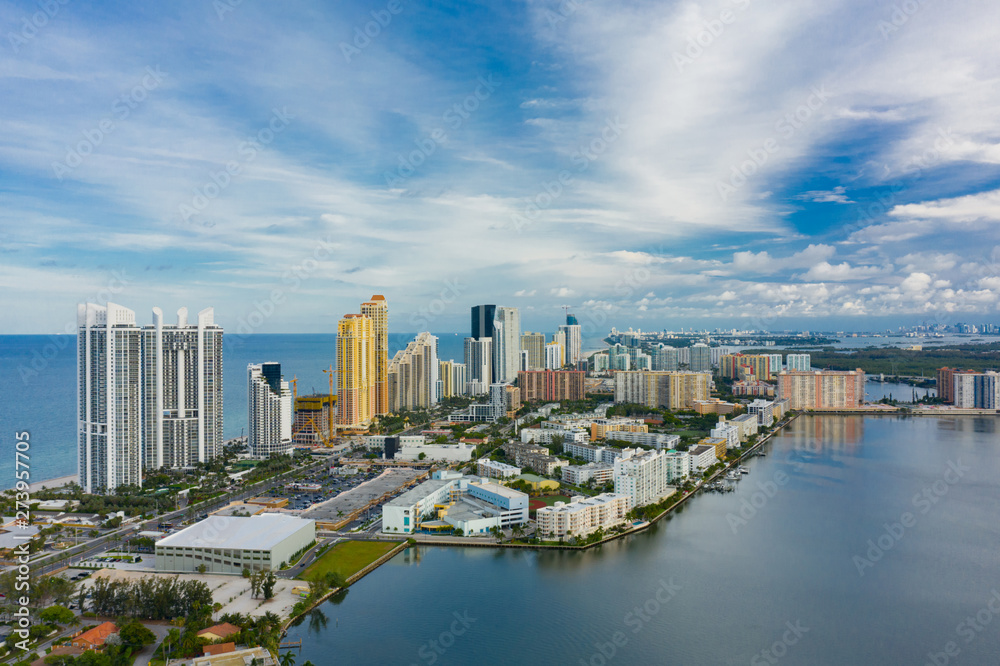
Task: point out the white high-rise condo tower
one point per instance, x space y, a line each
506 344
182 390
149 397
574 343
109 402
269 408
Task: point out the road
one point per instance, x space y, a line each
44 565
143 657
307 559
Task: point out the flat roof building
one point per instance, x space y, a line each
582 517
454 502
227 544
822 389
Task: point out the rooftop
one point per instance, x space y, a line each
579 504
97 635
238 658
223 630
257 532
497 489
414 495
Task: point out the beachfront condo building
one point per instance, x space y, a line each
109 405
377 310
269 411
148 397
356 371
181 390
413 375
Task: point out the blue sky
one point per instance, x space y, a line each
814 165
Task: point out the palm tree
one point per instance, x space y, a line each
272 619
288 659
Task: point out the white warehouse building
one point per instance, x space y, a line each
226 544
449 452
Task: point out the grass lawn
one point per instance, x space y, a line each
347 558
692 433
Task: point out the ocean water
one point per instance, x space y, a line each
39 391
38 394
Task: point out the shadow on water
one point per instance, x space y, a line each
316 617
318 621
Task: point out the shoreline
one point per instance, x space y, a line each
51 484
636 528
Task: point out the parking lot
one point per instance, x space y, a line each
356 497
330 485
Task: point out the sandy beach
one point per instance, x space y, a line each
53 483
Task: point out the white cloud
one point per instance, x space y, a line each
971 208
827 272
836 195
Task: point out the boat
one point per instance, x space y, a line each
732 476
743 470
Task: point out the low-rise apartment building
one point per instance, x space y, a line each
747 424
494 469
592 452
702 457
654 439
599 428
582 516
594 471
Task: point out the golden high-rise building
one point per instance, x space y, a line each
377 309
355 370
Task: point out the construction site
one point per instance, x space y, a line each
315 416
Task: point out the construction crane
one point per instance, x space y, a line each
295 387
331 372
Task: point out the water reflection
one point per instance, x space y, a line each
317 621
987 425
825 434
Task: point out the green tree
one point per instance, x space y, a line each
58 614
267 586
135 635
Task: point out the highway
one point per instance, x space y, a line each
45 565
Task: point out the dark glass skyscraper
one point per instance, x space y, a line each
482 321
